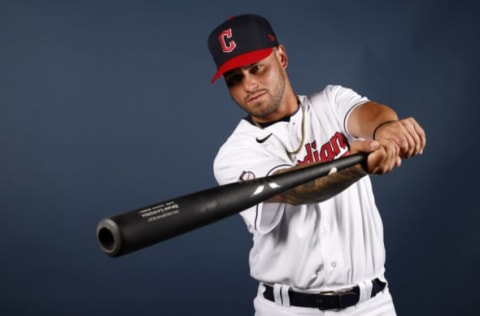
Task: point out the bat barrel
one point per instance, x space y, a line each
120 234
109 237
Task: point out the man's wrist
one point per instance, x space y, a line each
380 125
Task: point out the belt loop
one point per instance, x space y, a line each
277 297
280 294
365 290
285 296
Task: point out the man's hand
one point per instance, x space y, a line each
406 133
394 140
383 155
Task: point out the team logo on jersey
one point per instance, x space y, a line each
227 47
335 148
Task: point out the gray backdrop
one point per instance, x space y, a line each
106 106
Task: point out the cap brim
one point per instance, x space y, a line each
241 61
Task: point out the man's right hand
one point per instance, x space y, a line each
383 155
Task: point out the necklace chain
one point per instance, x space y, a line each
303 132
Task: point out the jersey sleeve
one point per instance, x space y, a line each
343 101
242 159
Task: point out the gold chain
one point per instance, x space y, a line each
303 132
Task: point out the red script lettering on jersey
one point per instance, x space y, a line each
335 148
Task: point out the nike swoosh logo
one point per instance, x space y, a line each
262 140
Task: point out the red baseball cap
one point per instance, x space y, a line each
241 40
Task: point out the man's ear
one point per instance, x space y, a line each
282 57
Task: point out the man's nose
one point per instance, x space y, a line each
249 83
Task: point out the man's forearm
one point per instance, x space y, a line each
321 188
367 117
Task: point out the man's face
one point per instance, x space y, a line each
259 88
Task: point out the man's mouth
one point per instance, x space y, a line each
255 97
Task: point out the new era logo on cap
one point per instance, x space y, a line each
240 41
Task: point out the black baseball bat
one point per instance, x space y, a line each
143 227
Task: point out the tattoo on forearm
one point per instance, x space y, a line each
321 188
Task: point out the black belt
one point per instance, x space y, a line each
327 300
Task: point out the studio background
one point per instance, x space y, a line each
106 106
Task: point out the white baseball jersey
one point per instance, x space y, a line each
315 247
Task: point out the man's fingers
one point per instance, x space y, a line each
366 146
384 159
409 136
422 138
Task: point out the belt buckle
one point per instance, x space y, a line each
330 300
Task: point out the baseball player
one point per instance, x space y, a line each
317 249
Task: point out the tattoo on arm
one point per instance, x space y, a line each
321 188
